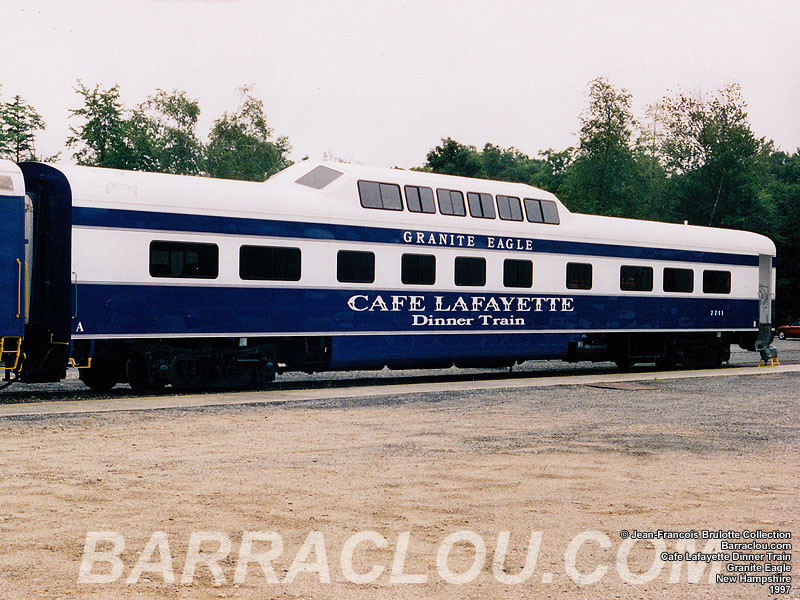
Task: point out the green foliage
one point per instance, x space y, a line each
19 123
454 158
167 124
102 138
241 145
160 134
554 169
717 167
606 176
494 162
784 190
510 164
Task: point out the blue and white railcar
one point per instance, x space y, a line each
13 292
155 279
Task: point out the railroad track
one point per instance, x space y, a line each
62 402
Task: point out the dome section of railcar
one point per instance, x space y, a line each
341 183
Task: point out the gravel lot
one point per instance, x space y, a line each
696 453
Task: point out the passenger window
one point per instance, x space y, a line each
355 267
319 177
517 273
470 271
550 212
420 199
481 206
716 282
269 263
374 194
579 276
637 279
184 259
509 208
533 210
451 202
418 269
678 280
541 211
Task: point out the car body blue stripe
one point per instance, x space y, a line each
147 310
193 223
417 351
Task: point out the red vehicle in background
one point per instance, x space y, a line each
788 331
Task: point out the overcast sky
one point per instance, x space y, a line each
382 82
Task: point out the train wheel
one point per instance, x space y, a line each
99 378
139 376
666 363
709 358
623 364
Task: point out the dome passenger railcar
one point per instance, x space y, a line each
158 279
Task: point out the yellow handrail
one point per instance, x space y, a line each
16 352
19 287
27 300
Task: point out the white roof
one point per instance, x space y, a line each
281 197
11 182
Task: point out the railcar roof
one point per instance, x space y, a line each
282 197
11 182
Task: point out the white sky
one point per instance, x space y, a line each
381 82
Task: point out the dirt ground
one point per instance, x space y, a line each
578 464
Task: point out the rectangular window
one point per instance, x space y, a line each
355 267
579 276
470 270
517 273
678 280
550 212
509 208
451 202
420 199
374 194
637 279
541 211
533 210
418 269
269 263
184 259
481 205
716 282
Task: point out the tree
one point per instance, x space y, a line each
101 140
164 126
453 158
605 177
510 164
493 162
784 190
241 144
19 123
716 165
554 169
